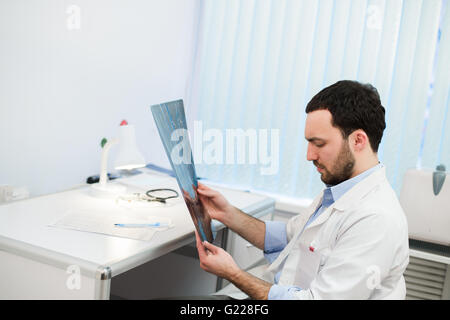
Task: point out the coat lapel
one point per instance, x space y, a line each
352 196
322 217
300 226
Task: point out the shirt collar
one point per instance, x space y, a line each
333 193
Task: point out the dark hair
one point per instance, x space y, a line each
353 106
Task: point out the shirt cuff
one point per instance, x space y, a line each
275 238
278 292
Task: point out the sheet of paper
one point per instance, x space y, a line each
103 223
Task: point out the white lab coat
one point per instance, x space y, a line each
360 247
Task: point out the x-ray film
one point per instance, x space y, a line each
171 122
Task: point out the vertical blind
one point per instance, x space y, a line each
259 62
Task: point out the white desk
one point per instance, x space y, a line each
35 259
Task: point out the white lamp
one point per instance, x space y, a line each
128 158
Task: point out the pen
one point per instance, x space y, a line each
141 225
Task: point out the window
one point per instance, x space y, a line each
259 62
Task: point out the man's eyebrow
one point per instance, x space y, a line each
314 139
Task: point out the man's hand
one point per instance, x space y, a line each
251 229
216 260
215 203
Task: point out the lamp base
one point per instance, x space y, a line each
107 190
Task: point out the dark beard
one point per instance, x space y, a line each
342 169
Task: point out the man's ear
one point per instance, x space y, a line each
359 140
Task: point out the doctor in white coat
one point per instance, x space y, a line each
352 241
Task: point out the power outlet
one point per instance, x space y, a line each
6 193
10 193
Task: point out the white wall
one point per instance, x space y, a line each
62 91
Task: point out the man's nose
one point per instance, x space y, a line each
311 154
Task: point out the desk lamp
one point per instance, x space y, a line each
128 158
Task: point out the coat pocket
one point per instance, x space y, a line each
309 264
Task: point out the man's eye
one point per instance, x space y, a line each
320 145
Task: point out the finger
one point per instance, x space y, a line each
205 190
211 247
208 192
204 198
201 185
198 239
200 247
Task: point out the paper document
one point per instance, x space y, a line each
104 223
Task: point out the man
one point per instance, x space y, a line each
352 242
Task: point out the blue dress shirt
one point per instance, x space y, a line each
276 238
